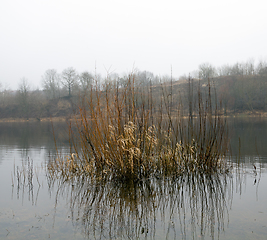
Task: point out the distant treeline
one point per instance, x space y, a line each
239 87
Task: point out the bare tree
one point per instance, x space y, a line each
237 70
262 68
86 80
224 70
144 78
23 97
69 78
250 67
51 83
206 70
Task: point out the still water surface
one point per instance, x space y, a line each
191 207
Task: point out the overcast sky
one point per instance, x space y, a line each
119 35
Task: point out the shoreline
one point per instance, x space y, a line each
66 118
53 119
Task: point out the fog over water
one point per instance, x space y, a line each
118 36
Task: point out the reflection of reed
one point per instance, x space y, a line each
196 202
23 179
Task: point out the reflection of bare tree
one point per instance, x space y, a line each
194 204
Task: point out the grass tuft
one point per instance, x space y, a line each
134 132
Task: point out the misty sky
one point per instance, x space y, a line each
119 35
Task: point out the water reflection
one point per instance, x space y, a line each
248 139
25 181
25 136
190 206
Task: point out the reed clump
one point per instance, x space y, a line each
135 132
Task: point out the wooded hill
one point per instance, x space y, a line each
237 88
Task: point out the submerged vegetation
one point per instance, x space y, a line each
125 133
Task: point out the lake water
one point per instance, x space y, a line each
35 206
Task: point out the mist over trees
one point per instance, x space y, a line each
23 97
51 83
69 79
86 80
249 68
239 87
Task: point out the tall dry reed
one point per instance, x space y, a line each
133 132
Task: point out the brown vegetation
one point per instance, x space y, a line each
129 134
